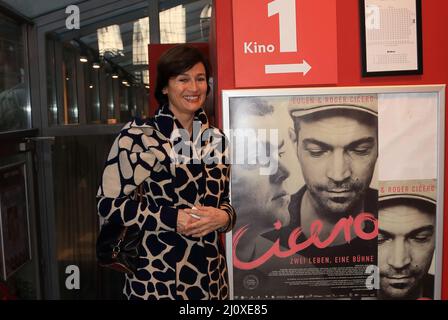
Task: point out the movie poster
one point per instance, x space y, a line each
407 239
14 229
305 180
303 186
408 210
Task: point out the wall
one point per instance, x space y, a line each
435 63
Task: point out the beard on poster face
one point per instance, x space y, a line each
337 199
399 284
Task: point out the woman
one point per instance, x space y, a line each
180 162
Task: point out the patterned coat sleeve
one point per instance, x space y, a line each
134 154
224 202
226 206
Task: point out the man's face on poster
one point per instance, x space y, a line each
405 249
266 196
337 152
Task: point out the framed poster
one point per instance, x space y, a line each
15 248
391 37
311 172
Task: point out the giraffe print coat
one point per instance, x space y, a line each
171 265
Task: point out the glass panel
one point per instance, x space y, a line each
51 84
142 96
122 54
204 21
125 113
92 90
140 41
172 25
132 103
15 112
110 43
186 23
110 101
78 162
197 20
70 100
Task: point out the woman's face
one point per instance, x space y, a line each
187 91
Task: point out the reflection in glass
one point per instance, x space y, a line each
204 20
145 77
92 93
51 84
110 100
140 41
172 25
125 114
110 43
70 100
15 112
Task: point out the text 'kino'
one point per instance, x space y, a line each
253 47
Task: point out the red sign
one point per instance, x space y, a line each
284 42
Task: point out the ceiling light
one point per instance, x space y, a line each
96 65
83 59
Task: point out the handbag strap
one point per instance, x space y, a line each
140 192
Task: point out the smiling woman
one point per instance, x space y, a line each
186 93
182 242
185 78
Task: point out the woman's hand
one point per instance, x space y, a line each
184 219
210 219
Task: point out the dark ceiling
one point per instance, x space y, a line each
124 14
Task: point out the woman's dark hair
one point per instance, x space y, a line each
176 61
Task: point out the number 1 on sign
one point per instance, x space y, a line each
286 10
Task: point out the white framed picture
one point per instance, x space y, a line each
15 247
307 168
391 37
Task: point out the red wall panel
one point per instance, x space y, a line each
435 63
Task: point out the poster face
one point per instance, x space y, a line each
305 181
409 208
15 246
407 239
